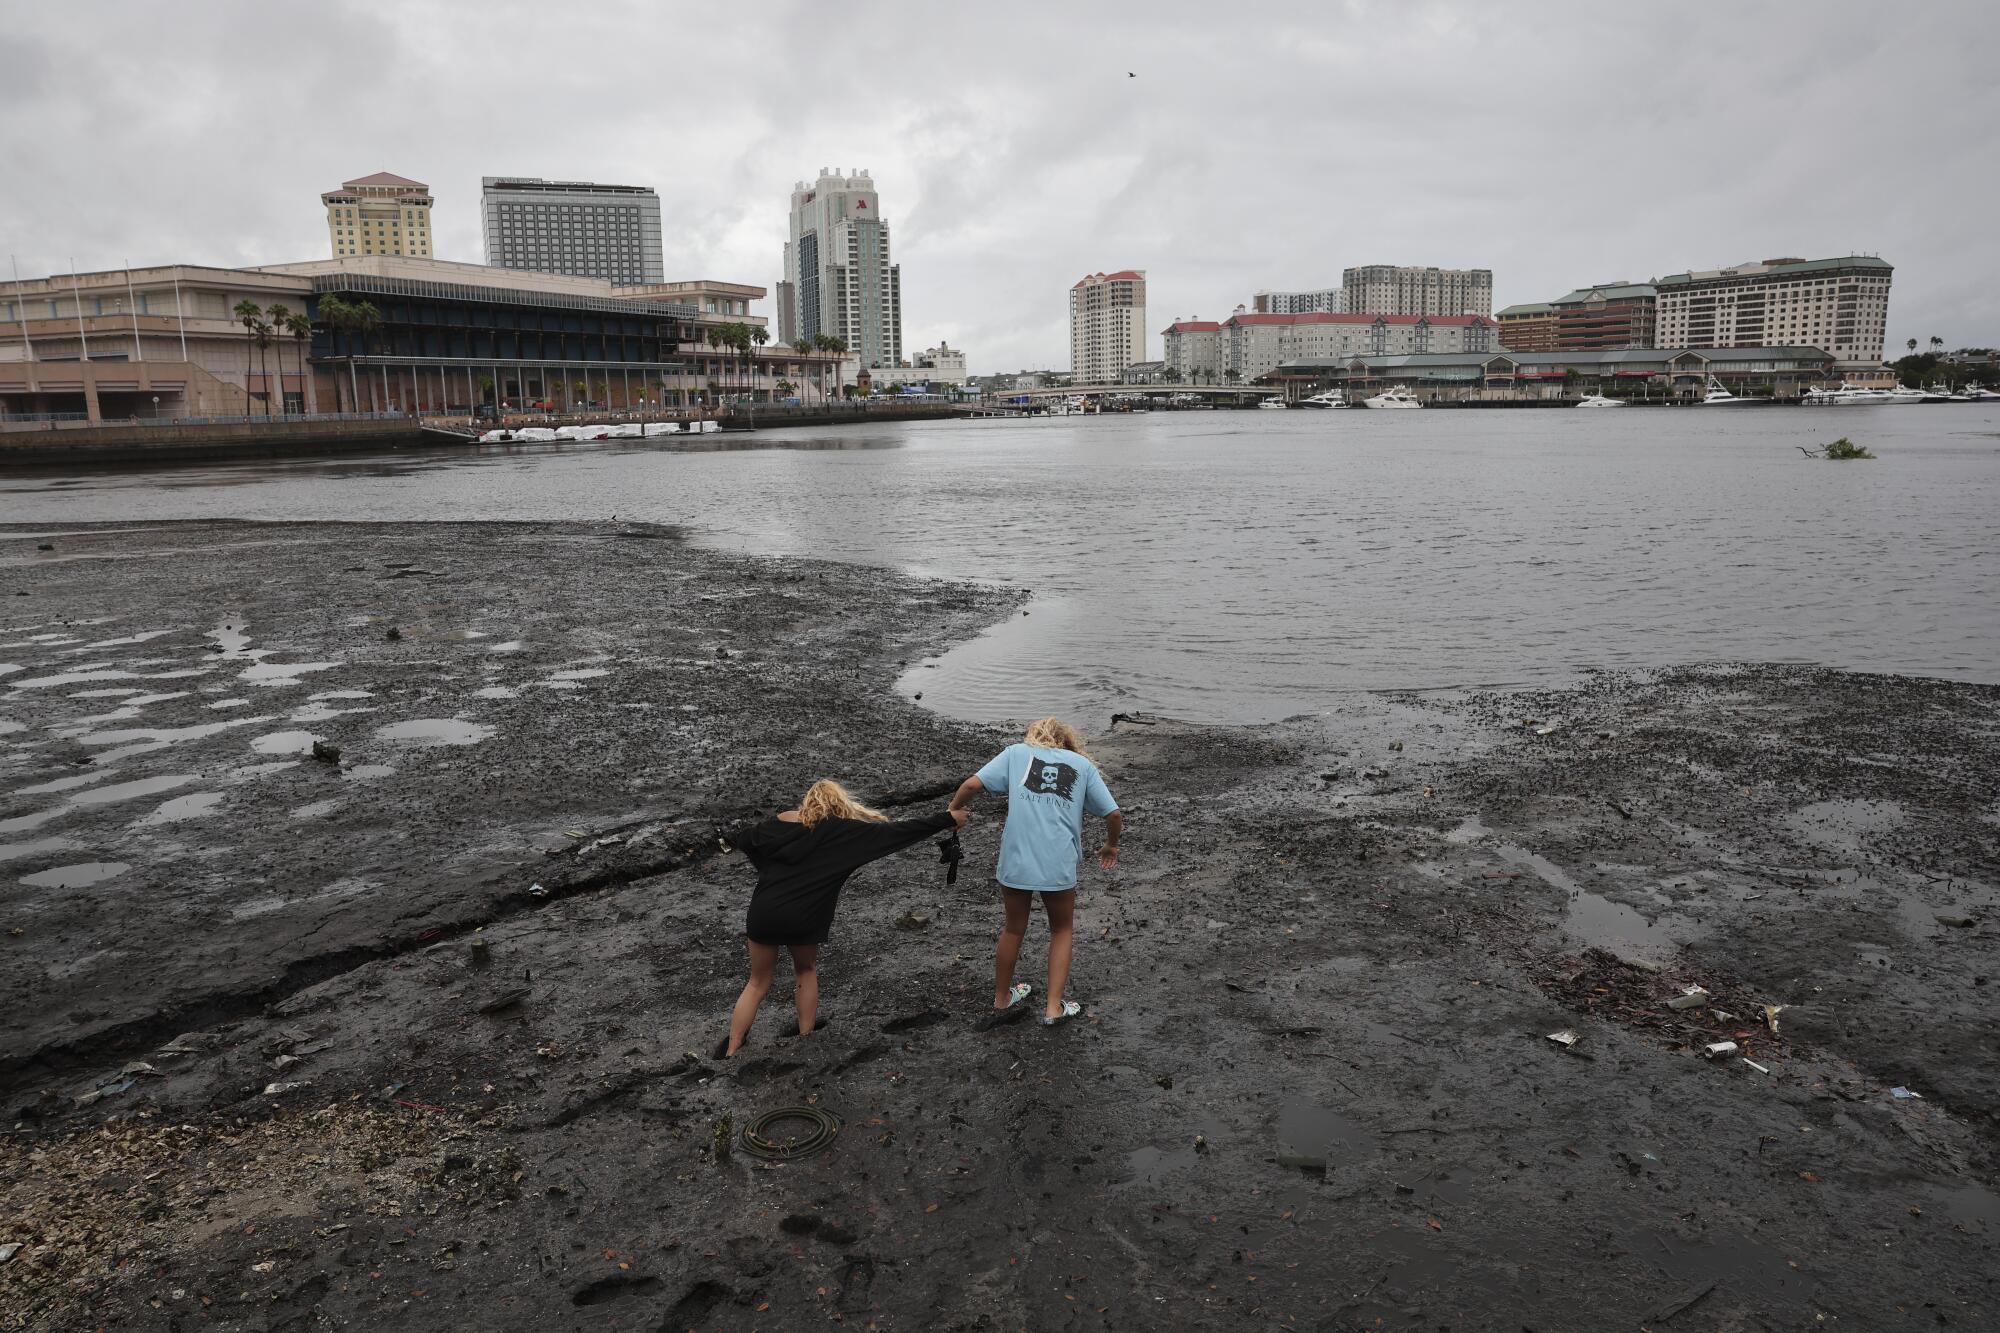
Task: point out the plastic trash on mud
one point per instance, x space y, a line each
1694 997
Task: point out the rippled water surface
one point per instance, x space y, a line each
1250 565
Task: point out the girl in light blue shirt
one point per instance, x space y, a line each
1050 785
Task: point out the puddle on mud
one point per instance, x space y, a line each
230 703
282 673
324 695
497 692
285 742
1593 920
14 851
105 673
8 728
105 694
77 876
322 712
317 810
367 772
511 646
65 784
560 684
580 673
435 731
1844 826
192 806
232 636
144 637
128 791
1153 1164
1314 1138
145 740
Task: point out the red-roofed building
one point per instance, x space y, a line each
1107 325
1189 350
382 214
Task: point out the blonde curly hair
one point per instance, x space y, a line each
1052 733
827 798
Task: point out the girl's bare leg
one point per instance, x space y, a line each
805 983
763 966
1009 953
1061 909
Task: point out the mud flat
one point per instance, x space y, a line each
257 1075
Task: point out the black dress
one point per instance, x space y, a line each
800 870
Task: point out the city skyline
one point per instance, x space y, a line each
999 202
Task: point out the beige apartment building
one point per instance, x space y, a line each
1839 305
1395 289
1248 345
383 214
1107 325
1189 350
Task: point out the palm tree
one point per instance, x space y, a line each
301 329
341 317
260 332
248 313
1937 344
826 342
1913 346
714 344
758 336
277 315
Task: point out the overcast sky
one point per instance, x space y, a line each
1259 146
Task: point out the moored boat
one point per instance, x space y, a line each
1599 400
1717 396
1396 397
1324 398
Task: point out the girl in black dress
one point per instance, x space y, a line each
803 857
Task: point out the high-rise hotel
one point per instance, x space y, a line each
1413 289
839 276
383 214
1837 305
1107 325
579 228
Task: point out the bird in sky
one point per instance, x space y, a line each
1130 75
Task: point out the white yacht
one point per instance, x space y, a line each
1396 397
1903 394
1979 393
1717 396
1598 400
1324 398
1277 403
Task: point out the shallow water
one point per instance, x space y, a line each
1242 566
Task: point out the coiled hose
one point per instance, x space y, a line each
758 1141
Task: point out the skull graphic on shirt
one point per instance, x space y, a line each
1045 778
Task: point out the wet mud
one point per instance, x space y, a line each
417 1035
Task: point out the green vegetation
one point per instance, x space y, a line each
1843 449
1919 369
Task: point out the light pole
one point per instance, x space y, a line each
156 406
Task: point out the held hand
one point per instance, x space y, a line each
1107 857
960 818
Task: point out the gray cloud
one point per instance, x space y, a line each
1259 147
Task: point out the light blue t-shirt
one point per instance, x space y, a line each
1048 794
